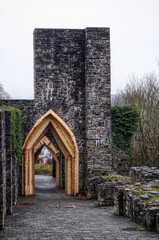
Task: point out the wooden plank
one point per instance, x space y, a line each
59 142
40 130
33 172
69 176
63 138
57 174
66 177
23 174
53 148
67 136
40 144
41 136
73 176
26 172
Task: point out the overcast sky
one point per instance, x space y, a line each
134 28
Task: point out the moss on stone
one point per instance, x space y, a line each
138 192
89 195
16 131
105 177
152 199
113 177
155 189
116 176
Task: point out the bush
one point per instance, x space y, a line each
43 168
124 125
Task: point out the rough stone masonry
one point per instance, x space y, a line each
8 174
72 77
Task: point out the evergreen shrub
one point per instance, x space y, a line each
124 125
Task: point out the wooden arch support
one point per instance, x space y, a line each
54 152
67 143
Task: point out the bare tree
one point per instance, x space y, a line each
3 93
143 94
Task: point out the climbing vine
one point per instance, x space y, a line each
16 132
124 125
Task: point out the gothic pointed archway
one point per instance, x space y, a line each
54 152
66 142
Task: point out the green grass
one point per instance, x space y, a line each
43 168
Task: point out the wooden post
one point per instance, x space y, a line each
57 174
68 176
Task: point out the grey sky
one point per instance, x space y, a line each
134 26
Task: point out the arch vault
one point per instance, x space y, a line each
66 142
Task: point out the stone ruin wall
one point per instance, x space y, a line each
59 79
72 77
8 171
27 112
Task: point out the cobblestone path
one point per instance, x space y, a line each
50 214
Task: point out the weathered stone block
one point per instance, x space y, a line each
151 218
118 201
106 193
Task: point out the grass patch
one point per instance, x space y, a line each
112 177
43 168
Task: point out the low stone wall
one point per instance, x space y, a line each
145 173
8 172
136 197
100 186
105 191
140 203
92 184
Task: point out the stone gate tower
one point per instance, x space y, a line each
72 77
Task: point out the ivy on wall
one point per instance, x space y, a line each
16 132
124 125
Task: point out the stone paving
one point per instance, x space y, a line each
50 214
